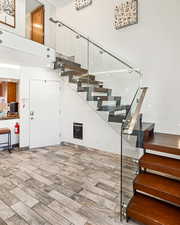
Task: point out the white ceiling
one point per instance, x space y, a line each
58 2
31 5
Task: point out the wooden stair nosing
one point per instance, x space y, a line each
101 90
167 143
68 62
72 73
160 148
161 187
150 211
112 109
85 81
161 164
79 69
94 89
103 98
116 118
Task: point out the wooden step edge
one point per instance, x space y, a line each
160 164
161 193
76 68
103 90
150 211
94 89
160 148
103 98
66 61
167 143
93 82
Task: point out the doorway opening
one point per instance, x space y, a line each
35 13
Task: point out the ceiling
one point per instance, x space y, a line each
58 2
32 5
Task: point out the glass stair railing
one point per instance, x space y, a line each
112 88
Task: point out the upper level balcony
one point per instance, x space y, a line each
28 38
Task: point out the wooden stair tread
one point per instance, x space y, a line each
89 77
86 81
76 68
161 164
161 187
168 143
151 211
113 108
103 90
94 89
67 61
72 73
104 98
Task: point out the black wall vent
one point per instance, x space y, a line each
78 130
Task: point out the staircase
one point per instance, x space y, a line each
156 199
97 93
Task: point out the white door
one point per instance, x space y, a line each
44 113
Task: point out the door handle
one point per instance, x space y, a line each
32 113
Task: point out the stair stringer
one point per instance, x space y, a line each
98 133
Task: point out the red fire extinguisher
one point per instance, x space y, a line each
17 128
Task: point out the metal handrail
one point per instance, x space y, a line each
95 44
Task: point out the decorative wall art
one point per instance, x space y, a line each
126 14
80 4
7 12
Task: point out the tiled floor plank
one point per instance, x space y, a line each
28 214
70 215
25 198
5 211
51 216
68 202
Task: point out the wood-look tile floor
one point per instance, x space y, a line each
59 185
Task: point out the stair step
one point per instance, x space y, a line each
164 143
116 118
103 98
89 81
67 62
161 187
75 68
85 81
113 109
94 89
151 211
161 164
110 108
72 73
89 77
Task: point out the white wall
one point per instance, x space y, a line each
152 45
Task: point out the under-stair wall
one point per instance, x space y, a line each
97 132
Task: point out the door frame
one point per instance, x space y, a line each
38 8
